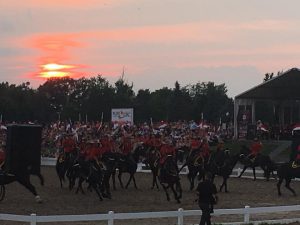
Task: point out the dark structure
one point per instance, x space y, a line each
23 148
282 91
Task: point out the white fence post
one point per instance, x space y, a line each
180 216
247 214
111 218
33 219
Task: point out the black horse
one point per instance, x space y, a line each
196 167
63 165
91 172
287 172
169 178
262 161
222 164
152 159
127 164
22 176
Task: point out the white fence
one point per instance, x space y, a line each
110 217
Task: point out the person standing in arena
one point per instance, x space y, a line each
207 197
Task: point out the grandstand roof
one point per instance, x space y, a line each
282 87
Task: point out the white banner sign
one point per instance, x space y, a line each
122 115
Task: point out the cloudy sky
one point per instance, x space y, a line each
156 41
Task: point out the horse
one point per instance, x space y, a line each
22 176
152 159
169 178
127 164
97 173
196 166
64 164
287 172
91 172
222 164
260 160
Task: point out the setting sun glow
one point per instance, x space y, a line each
52 74
54 66
52 70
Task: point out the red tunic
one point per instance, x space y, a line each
107 145
195 144
2 156
256 148
205 150
127 146
68 144
156 142
92 152
166 150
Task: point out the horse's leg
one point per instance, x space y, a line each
113 177
254 175
133 178
224 184
287 185
106 185
278 185
129 180
41 178
244 169
175 193
25 181
79 187
120 178
166 191
95 187
192 181
179 189
154 171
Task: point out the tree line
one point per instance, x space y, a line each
71 99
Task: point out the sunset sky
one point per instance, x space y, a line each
157 41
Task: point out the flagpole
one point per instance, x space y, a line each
1 118
86 118
79 117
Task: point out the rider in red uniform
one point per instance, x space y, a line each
166 149
205 151
106 144
127 145
68 144
255 149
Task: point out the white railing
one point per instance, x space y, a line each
110 217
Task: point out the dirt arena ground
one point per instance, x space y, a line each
57 201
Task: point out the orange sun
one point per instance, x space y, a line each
54 70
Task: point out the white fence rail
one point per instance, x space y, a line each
110 217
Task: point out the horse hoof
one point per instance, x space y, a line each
38 199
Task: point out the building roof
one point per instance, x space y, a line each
282 87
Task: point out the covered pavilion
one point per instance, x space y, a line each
283 91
